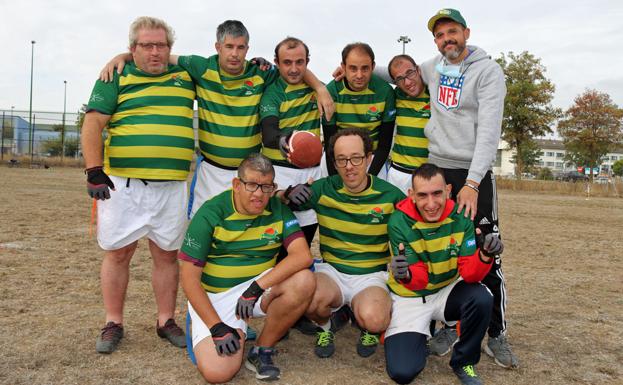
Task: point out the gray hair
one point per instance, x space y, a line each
256 162
233 28
147 22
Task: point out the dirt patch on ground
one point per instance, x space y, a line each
562 264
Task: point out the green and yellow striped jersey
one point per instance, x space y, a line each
150 132
410 144
439 245
233 247
353 227
296 108
228 108
365 109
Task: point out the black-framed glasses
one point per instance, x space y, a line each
150 46
354 160
252 186
411 75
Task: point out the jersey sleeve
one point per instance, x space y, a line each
269 75
389 114
291 227
198 239
194 65
270 103
332 88
104 96
468 246
395 231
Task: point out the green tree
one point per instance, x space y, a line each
528 112
53 147
545 173
617 167
591 128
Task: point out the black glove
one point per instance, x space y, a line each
399 265
262 63
283 145
226 339
298 194
246 302
490 245
98 183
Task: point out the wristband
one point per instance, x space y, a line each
472 186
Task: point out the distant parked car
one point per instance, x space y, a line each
573 176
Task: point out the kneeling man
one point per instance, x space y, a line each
229 275
437 264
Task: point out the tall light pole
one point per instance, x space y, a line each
63 130
30 133
404 40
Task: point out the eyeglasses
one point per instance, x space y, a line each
150 46
411 75
354 160
252 187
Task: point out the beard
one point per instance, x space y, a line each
453 53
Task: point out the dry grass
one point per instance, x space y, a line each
562 188
41 162
563 265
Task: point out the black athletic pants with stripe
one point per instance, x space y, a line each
487 220
405 353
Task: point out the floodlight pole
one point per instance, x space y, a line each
404 40
30 131
63 130
2 139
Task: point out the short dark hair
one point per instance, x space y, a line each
291 42
365 137
397 58
427 171
361 46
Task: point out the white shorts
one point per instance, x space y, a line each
156 210
286 176
400 179
211 181
225 305
412 314
351 285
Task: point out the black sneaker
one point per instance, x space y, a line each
367 343
172 332
467 375
325 347
307 327
108 340
260 361
341 317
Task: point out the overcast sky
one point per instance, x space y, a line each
578 42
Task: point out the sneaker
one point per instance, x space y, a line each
108 340
443 341
340 318
172 332
500 350
260 360
367 343
467 375
324 344
307 327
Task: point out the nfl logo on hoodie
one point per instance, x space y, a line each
449 91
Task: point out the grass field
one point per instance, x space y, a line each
563 264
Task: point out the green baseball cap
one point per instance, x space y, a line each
446 13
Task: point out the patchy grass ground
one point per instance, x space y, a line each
563 264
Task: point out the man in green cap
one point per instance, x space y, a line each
467 91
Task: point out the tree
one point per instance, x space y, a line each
591 128
617 167
527 109
53 147
545 173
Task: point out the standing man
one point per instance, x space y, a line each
353 208
436 267
289 105
140 184
229 274
467 90
364 101
410 148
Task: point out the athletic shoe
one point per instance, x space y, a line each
367 343
467 375
324 344
307 327
260 361
108 340
251 334
443 341
340 318
500 350
173 333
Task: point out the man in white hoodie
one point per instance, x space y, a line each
467 91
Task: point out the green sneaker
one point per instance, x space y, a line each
324 344
467 375
367 343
